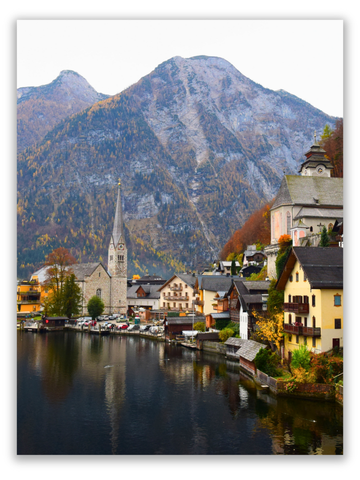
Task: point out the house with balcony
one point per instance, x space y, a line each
209 288
253 256
178 293
144 296
28 297
312 280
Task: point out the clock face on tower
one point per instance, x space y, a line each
320 169
121 246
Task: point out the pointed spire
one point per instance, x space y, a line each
118 232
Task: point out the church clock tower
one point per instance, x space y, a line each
117 261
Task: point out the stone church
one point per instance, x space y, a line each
94 279
304 204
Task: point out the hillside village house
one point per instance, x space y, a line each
143 296
178 293
208 286
304 204
312 280
246 297
253 256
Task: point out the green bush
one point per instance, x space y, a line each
301 358
267 362
226 333
199 326
221 323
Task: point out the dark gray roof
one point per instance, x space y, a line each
187 278
322 266
85 269
150 290
301 190
216 283
236 342
257 285
184 320
320 212
249 349
220 315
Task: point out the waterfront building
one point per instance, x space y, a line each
28 297
312 280
178 293
304 204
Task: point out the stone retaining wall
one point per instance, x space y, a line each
214 347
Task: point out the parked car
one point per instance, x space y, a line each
124 326
133 328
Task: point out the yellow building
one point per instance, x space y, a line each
28 297
312 280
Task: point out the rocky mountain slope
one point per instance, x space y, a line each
39 109
198 148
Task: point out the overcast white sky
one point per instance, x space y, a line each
303 57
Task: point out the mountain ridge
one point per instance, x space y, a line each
198 147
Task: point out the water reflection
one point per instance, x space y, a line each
126 395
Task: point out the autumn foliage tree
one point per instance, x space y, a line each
59 263
255 230
332 142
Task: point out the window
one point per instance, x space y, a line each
297 338
99 274
288 223
314 342
313 322
111 258
289 319
311 229
305 322
290 338
305 277
289 298
337 300
305 340
313 301
291 278
306 299
98 292
297 276
337 322
186 305
164 304
120 258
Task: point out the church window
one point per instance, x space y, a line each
288 223
120 258
98 292
111 258
311 229
99 274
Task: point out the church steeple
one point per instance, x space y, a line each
118 230
316 164
117 254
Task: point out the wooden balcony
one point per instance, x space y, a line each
175 288
301 330
197 301
296 307
176 299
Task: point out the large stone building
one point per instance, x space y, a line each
304 204
94 279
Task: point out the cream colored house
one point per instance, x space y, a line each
312 280
178 294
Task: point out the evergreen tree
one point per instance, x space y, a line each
233 268
72 297
95 307
324 241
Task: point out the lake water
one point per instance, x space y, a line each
80 394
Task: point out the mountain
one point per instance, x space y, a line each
39 109
198 148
